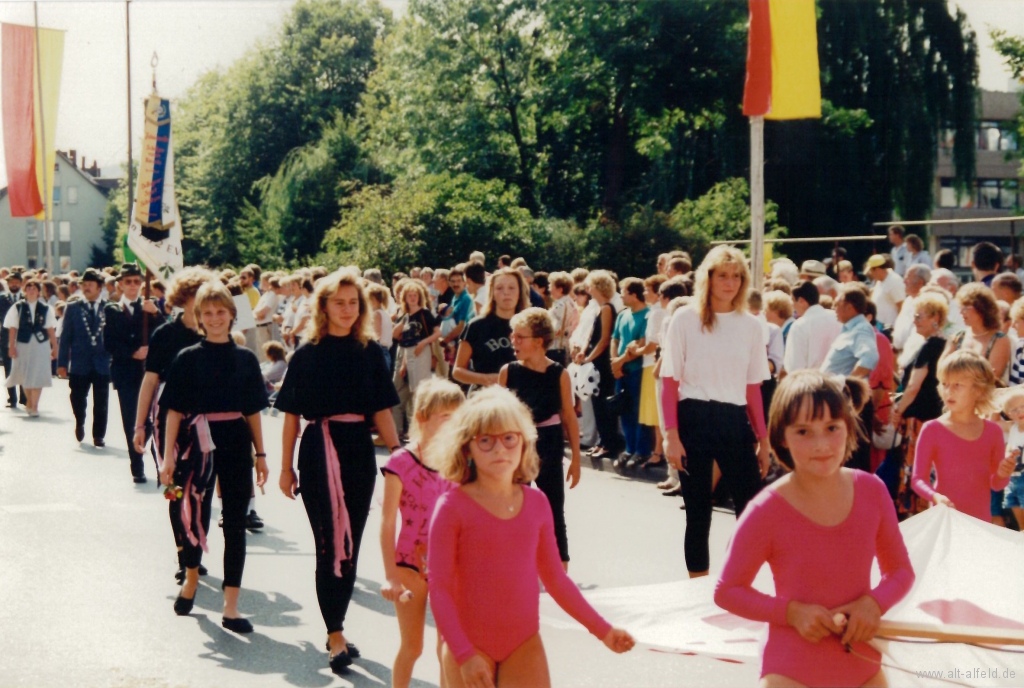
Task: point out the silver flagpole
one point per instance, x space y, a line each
757 200
47 220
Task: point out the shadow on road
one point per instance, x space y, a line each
300 665
262 609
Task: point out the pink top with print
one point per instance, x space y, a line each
421 488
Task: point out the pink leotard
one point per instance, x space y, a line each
815 564
421 486
965 470
483 576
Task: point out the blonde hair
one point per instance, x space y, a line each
780 302
932 304
602 282
186 284
538 321
238 337
983 300
216 293
524 291
416 286
490 409
979 370
433 396
1009 395
719 257
1017 309
327 287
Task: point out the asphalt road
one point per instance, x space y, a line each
87 562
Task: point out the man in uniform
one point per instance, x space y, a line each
123 339
82 358
8 299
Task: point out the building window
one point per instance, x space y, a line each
56 195
65 231
72 195
988 193
991 194
31 230
997 136
65 263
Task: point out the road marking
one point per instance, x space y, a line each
38 508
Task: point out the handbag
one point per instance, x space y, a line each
618 403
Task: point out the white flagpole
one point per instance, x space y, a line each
757 200
47 229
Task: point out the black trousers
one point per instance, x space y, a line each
100 385
232 468
606 421
714 431
358 475
551 481
12 393
127 379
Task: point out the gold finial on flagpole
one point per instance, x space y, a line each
153 62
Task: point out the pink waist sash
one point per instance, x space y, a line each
339 512
553 420
201 424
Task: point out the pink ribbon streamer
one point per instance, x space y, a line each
339 512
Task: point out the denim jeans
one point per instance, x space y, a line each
638 437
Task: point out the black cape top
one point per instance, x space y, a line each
337 375
165 343
215 378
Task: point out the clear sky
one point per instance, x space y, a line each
193 37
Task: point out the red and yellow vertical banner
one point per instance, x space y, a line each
783 79
31 88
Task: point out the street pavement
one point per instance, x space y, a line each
87 562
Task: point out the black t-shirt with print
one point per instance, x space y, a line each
490 337
417 327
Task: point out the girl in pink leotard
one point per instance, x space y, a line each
819 529
967 451
411 490
490 540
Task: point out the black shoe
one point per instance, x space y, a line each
636 461
253 521
183 605
237 625
79 432
220 521
340 662
202 570
353 651
622 463
139 479
676 492
98 442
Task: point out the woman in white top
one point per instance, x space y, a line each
380 300
714 359
33 344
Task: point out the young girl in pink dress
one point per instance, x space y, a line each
819 529
491 538
966 450
411 490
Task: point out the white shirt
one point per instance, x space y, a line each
715 365
126 303
900 254
387 328
563 315
776 347
887 294
581 335
904 325
655 319
267 301
810 338
12 320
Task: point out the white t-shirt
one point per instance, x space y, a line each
13 319
715 365
655 317
268 301
387 328
886 294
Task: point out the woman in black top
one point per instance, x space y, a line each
338 381
601 288
545 388
214 394
164 345
486 347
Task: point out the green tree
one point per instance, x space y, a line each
1012 50
236 127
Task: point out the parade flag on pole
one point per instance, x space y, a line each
31 88
783 80
154 234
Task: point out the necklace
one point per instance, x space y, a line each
101 320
